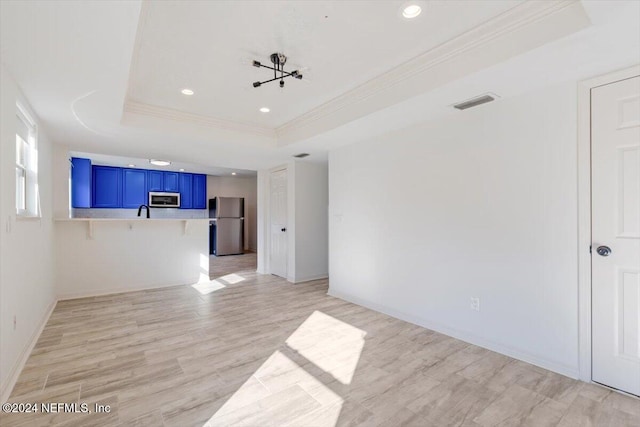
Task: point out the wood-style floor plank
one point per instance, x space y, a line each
254 350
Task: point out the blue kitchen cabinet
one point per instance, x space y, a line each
80 183
106 187
186 191
172 182
134 188
155 180
112 187
199 191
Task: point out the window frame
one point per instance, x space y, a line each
29 167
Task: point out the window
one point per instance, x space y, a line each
26 165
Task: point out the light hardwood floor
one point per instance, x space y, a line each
228 264
262 352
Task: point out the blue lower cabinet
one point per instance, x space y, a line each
199 191
80 183
134 188
106 187
186 190
171 182
155 179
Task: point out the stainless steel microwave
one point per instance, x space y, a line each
164 200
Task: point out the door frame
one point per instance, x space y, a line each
584 211
264 219
271 172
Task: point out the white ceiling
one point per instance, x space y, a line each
136 162
339 45
104 77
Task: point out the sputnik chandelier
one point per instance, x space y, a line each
278 60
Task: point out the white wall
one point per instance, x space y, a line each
263 227
26 251
234 186
311 199
307 221
61 181
482 204
126 256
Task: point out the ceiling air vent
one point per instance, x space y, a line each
301 155
474 102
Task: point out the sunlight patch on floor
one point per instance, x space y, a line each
208 286
331 344
296 385
232 278
280 392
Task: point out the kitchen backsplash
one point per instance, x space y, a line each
133 213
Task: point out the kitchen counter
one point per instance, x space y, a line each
131 219
107 255
90 222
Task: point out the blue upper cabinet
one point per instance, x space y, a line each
199 191
106 187
128 188
186 189
80 183
172 182
134 188
155 180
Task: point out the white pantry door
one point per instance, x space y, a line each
278 220
615 258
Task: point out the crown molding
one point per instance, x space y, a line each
525 26
501 29
134 107
135 55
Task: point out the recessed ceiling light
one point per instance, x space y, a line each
411 11
233 173
132 165
181 170
159 162
187 91
264 110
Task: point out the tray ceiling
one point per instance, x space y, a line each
339 45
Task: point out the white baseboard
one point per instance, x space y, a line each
111 291
310 278
7 387
569 371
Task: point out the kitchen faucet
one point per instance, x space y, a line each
140 210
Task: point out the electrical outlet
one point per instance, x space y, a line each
475 303
15 322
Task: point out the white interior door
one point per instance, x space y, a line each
615 259
278 220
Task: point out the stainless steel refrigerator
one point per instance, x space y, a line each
226 226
